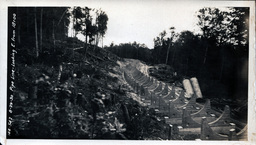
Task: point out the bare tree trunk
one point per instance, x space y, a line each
73 35
97 39
102 41
84 42
64 24
36 39
27 21
86 38
86 45
167 55
41 31
60 71
173 57
53 33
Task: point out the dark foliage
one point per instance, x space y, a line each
132 50
64 87
218 56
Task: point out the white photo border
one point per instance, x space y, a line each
3 71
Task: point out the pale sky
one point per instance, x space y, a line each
142 21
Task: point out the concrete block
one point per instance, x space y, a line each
187 121
149 83
191 106
204 111
159 88
196 87
165 90
154 85
179 101
188 87
242 134
224 118
208 134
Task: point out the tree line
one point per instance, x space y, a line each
91 23
217 55
131 50
39 26
44 30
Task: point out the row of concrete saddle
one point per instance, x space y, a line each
185 115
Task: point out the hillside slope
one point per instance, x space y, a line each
80 94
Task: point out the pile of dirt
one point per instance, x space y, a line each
165 73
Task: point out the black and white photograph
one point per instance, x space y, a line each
130 70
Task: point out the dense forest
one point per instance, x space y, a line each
71 88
